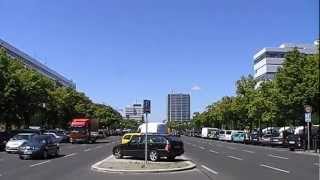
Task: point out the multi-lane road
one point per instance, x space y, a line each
214 159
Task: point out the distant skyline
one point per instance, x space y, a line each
121 52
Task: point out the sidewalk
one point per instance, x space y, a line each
307 152
111 164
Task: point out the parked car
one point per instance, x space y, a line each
14 143
4 138
272 140
42 146
238 137
158 146
222 135
255 138
127 137
294 142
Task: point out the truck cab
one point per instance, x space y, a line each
83 130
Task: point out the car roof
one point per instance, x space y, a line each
26 134
131 134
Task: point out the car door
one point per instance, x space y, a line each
131 148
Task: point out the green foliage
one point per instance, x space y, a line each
29 98
279 102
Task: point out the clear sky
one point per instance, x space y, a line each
122 51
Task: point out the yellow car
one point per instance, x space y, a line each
127 137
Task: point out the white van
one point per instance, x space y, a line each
222 135
153 128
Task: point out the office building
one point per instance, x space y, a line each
178 107
134 112
268 60
32 63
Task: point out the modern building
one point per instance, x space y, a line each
32 63
134 112
178 106
268 60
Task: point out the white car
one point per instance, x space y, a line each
14 143
222 135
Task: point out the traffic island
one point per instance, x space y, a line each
130 165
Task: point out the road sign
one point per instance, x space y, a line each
307 117
308 108
146 106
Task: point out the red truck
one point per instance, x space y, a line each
84 130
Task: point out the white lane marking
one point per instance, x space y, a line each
277 169
279 157
210 170
214 151
251 152
316 164
202 147
1 159
231 148
38 164
87 150
236 158
0 175
70 155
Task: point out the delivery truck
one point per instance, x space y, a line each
84 130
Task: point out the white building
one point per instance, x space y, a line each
134 112
268 60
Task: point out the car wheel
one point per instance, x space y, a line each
154 156
171 158
45 155
117 153
22 157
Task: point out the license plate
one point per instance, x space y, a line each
292 142
27 152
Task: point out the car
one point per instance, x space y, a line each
295 142
14 143
158 146
238 137
60 135
255 138
272 140
4 138
222 135
42 146
54 136
127 137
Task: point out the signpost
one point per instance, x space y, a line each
307 115
146 110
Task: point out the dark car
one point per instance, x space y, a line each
255 138
41 146
4 138
294 141
158 146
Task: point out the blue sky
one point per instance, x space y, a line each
122 51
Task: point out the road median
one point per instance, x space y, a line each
132 165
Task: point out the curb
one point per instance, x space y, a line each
96 167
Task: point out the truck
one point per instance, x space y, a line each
153 128
84 130
212 133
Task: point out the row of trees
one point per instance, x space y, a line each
279 102
29 98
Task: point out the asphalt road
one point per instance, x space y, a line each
215 160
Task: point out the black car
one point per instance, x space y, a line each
158 146
294 141
255 138
40 146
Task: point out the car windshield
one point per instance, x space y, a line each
22 137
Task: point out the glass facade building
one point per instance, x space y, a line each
178 107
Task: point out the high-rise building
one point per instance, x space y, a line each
134 112
32 63
268 60
178 106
